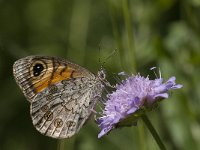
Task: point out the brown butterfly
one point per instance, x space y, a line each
62 94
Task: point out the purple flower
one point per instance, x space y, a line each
133 96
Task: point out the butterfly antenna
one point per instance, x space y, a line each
100 54
109 56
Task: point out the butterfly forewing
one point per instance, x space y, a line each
54 70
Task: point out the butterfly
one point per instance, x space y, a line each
62 94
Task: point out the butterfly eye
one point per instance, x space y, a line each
37 69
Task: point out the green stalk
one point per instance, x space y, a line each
130 51
116 32
153 132
126 49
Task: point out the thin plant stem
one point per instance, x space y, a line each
130 52
125 45
116 32
153 132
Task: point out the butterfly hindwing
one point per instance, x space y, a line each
60 110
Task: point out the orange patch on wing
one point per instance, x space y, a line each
58 76
44 83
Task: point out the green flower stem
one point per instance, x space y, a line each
153 132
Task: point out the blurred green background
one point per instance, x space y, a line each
145 33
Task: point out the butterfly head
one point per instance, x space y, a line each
102 77
102 74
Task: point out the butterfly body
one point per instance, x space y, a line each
62 94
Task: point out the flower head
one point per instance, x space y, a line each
133 96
